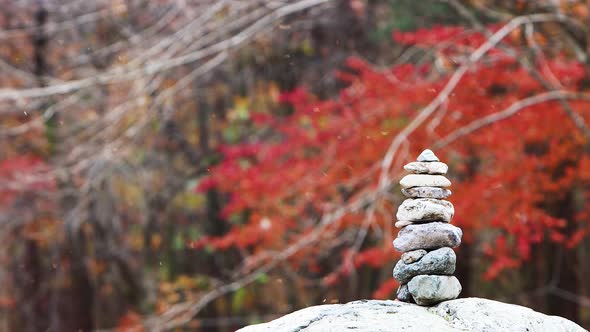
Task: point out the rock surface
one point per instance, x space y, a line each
420 167
429 236
426 192
403 294
424 180
402 223
425 209
441 261
427 155
470 314
431 289
413 256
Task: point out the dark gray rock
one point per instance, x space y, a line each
403 294
440 262
426 192
431 289
428 236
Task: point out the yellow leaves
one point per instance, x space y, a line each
189 199
173 297
263 99
156 241
307 47
43 231
166 287
131 194
240 110
136 241
184 288
185 281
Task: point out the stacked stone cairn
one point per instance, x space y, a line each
426 237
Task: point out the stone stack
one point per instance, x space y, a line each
426 237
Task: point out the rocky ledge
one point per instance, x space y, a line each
469 314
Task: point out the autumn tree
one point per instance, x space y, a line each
200 163
113 110
502 98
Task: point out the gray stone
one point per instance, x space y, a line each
428 236
403 294
424 180
427 155
440 262
425 209
426 192
470 314
402 223
422 167
413 256
432 289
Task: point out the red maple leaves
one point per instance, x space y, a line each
506 175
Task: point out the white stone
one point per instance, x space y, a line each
403 223
422 167
433 289
426 192
424 180
425 209
470 314
427 155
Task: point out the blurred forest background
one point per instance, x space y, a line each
201 165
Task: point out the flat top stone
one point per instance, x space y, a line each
427 155
424 180
468 314
427 167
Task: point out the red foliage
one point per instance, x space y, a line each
387 288
20 174
327 153
131 321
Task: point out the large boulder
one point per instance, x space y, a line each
469 314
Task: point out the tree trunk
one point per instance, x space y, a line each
31 280
565 264
465 251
